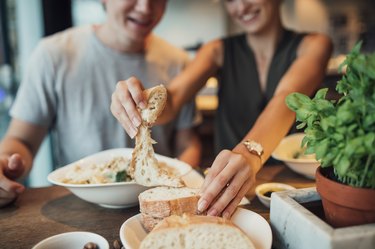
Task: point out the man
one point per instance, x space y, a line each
68 87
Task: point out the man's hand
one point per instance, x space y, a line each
125 99
11 168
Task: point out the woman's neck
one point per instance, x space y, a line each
264 43
122 43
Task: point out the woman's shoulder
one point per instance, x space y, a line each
315 40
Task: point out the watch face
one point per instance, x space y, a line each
254 147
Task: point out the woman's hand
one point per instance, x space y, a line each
125 99
11 168
226 183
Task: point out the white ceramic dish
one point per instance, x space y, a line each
255 226
119 194
72 240
261 189
286 150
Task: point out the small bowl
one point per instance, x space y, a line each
264 191
73 240
286 151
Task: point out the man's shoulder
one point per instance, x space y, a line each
66 39
168 50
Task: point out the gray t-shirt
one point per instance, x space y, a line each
68 87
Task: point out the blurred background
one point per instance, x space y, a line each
187 24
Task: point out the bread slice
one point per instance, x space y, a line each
144 167
161 202
193 232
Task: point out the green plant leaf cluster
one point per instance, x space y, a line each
342 133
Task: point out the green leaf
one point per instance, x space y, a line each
322 149
301 125
121 176
370 141
342 166
321 94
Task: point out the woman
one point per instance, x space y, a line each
256 71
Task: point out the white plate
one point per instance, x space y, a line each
119 194
255 226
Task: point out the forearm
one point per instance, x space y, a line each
189 149
271 126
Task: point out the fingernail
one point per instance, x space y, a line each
226 215
142 105
136 121
212 212
12 166
19 190
133 132
202 205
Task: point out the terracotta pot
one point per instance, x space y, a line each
344 205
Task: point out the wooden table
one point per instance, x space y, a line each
43 212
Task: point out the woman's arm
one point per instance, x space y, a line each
233 172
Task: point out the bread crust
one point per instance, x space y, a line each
192 231
156 100
149 222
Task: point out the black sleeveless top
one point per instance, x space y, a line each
240 97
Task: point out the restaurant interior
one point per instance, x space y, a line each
186 24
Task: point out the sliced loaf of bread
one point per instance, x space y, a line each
196 232
161 202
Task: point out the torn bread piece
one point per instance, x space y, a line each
144 167
156 100
193 232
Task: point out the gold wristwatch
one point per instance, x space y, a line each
254 148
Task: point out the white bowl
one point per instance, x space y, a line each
72 240
286 150
262 189
119 194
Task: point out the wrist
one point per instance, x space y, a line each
252 152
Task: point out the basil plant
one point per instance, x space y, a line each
342 133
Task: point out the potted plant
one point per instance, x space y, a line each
342 136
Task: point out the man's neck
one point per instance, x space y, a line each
118 42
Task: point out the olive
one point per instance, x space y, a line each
90 245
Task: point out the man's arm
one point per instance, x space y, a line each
17 151
182 89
